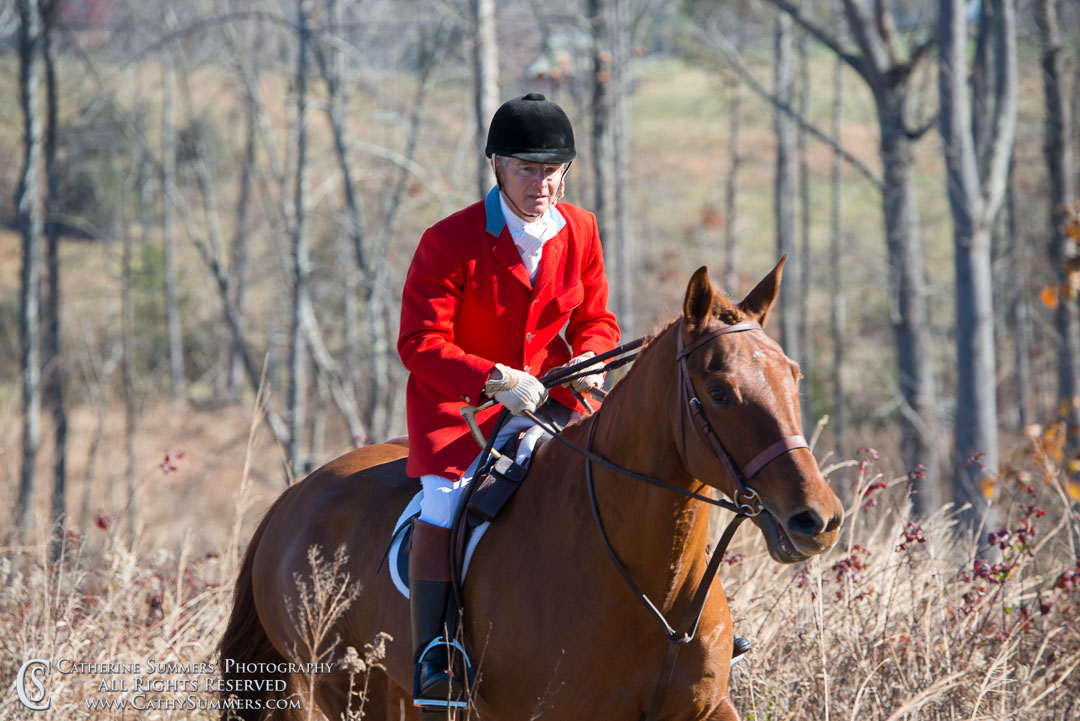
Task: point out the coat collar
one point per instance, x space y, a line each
493 208
505 250
496 222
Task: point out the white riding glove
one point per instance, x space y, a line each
591 381
516 390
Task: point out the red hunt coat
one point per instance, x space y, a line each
468 303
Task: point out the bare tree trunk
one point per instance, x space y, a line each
381 348
168 232
358 269
804 351
1061 164
880 62
732 183
1021 313
485 85
298 370
716 42
29 206
603 205
238 263
53 364
96 443
212 255
911 320
277 424
318 421
1076 125
976 188
836 261
620 135
784 188
127 354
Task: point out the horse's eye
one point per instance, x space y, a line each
719 395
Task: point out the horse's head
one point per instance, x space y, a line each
748 391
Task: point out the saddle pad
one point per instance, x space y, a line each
398 562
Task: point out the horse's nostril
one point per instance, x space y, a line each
806 523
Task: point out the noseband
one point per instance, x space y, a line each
746 498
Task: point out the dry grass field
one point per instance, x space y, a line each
899 621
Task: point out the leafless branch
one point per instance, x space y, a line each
732 57
886 27
183 212
920 51
917 133
823 36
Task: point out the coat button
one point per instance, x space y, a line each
468 399
528 368
529 336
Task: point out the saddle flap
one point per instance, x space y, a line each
397 553
495 490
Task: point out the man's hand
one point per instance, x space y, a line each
516 390
593 380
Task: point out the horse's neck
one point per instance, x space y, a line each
658 533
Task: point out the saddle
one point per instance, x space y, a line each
496 481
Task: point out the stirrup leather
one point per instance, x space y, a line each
441 703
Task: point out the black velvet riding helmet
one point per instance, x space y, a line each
531 128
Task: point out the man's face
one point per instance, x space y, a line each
532 187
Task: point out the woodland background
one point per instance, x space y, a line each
202 193
209 206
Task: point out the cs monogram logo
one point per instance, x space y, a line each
36 699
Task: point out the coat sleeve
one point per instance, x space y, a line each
429 306
592 326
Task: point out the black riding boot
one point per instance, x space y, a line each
428 604
429 591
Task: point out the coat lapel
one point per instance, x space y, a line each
503 247
507 252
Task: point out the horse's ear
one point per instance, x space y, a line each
759 301
697 307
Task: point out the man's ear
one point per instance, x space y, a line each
759 301
697 306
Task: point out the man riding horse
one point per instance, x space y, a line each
488 293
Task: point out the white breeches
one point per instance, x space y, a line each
441 495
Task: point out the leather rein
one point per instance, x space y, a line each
747 503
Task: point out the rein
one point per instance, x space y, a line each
747 502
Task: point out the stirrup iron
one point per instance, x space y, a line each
442 703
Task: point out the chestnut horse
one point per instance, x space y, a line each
553 628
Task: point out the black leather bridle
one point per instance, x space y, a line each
747 502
